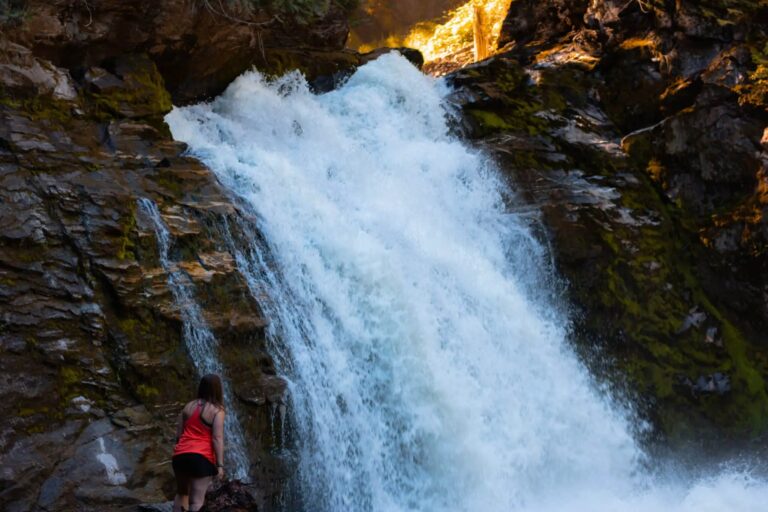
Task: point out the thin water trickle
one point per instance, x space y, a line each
411 312
198 338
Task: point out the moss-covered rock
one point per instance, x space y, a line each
135 90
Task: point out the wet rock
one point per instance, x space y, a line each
695 318
231 496
711 336
716 383
101 470
102 81
528 20
269 389
136 417
413 55
24 74
156 507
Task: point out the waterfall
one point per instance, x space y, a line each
411 311
198 338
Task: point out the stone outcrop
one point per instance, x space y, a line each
93 366
637 128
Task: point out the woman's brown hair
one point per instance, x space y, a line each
210 390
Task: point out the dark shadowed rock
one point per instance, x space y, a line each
529 20
413 55
231 496
198 47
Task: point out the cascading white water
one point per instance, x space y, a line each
424 373
198 338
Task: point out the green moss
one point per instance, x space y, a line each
519 107
509 78
129 326
662 382
38 107
147 393
489 120
142 334
37 428
639 311
563 87
70 375
144 93
170 183
516 116
751 400
127 246
649 314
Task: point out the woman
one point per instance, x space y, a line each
199 452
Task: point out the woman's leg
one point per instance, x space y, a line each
181 500
197 489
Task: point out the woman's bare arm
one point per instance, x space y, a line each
179 426
218 441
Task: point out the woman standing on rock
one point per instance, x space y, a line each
199 452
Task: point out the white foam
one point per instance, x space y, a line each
429 370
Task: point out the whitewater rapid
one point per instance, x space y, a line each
412 311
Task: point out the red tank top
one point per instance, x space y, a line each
197 437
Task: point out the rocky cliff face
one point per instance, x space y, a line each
93 365
638 128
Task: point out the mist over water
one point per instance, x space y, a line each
411 311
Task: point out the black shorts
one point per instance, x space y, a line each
194 465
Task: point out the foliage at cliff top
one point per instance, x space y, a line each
301 9
11 10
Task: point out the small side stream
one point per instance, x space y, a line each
198 337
